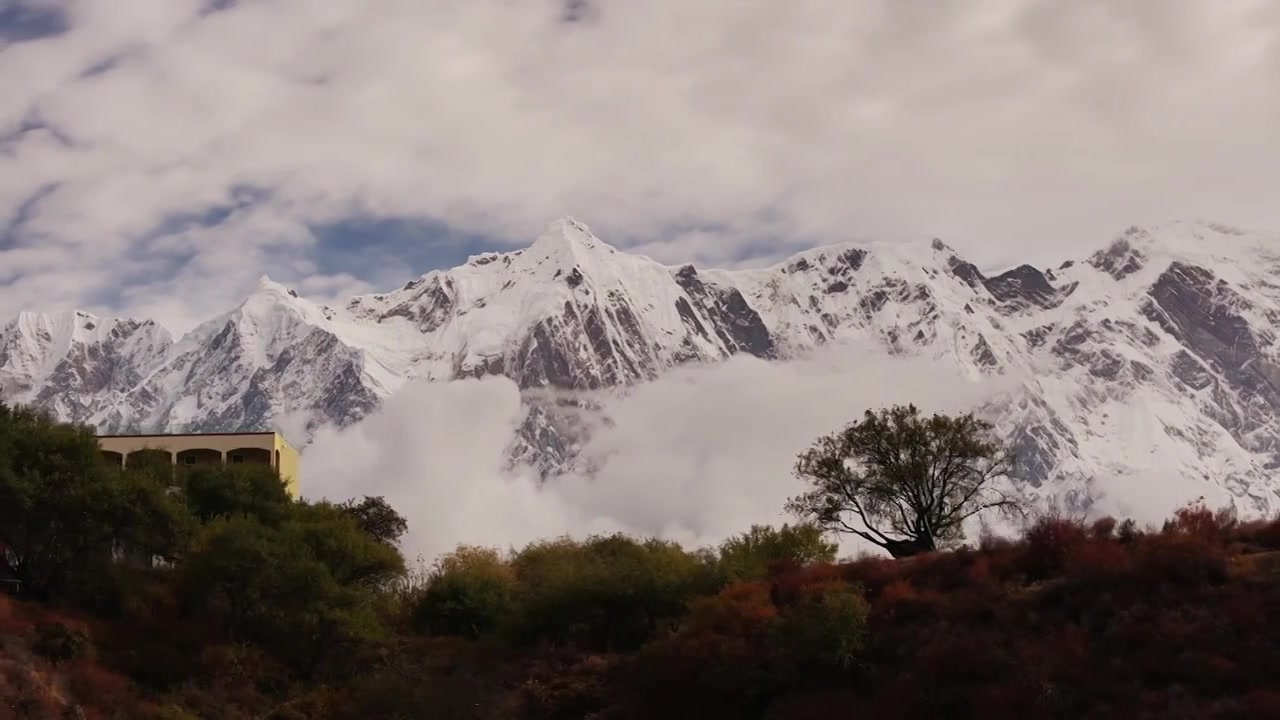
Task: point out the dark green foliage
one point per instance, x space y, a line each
302 588
826 629
608 593
63 511
750 555
279 609
376 517
468 594
903 481
58 643
221 491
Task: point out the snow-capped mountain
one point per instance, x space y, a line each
1158 353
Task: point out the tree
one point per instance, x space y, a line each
748 556
63 510
222 491
468 593
302 588
906 482
377 518
609 593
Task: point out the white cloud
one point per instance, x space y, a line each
1012 128
696 456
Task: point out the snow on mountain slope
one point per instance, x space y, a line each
79 366
1157 354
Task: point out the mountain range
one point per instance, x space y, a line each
1157 353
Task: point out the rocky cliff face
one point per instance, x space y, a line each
1158 353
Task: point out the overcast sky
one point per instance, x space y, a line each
157 156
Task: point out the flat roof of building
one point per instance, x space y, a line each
211 434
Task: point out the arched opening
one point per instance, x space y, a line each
114 459
149 458
249 456
199 456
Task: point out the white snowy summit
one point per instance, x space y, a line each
1156 354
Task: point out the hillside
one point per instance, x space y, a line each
1070 622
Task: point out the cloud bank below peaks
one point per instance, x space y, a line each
695 456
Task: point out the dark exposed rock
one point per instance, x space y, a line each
428 310
1120 260
1036 448
1036 337
982 353
733 320
1024 287
847 262
966 271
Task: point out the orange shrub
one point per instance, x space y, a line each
740 611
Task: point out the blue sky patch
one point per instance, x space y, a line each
20 22
388 252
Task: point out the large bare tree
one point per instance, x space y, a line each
904 481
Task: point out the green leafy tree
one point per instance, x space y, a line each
609 593
468 593
376 517
303 588
903 481
64 511
826 629
222 491
748 556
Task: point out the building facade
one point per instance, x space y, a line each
186 450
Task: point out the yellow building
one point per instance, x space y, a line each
257 448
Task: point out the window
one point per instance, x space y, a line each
237 459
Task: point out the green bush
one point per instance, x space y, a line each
58 643
468 593
827 628
609 593
749 556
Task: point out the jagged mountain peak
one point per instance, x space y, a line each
1142 253
1177 321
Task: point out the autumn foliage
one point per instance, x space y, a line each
278 609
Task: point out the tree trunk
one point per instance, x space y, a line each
900 549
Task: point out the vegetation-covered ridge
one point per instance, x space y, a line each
265 607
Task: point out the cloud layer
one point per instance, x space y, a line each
158 155
696 456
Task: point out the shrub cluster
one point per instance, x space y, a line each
272 608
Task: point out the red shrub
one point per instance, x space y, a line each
1261 534
874 574
93 685
788 589
1098 561
1261 704
740 610
1048 545
1181 559
1103 528
1197 520
942 571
